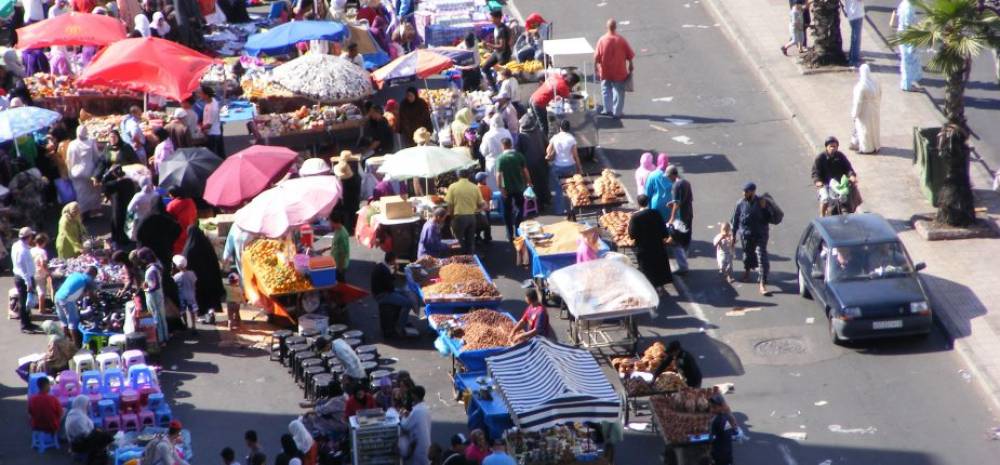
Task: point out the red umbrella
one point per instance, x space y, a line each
71 29
418 64
247 173
150 65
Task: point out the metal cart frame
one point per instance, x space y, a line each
583 123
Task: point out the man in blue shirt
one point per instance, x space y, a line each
750 223
499 455
430 236
71 290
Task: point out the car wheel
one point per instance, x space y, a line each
803 290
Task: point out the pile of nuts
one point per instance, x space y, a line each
485 329
457 278
457 273
616 223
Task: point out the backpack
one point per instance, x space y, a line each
776 213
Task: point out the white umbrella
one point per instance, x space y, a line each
425 161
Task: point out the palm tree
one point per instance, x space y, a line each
828 46
957 30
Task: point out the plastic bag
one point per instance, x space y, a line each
604 288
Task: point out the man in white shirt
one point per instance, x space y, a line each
24 276
417 427
211 124
565 160
854 10
352 55
61 7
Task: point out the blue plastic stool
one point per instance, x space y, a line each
41 441
163 416
141 375
113 381
33 382
155 401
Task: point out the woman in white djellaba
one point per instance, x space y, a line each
81 159
866 112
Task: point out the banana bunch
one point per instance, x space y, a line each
532 66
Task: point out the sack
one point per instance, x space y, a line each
777 214
64 191
629 84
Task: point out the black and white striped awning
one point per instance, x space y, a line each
546 384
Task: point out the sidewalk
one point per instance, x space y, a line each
960 278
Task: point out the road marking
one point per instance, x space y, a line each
795 436
602 4
699 312
842 430
624 23
820 403
683 139
679 121
663 99
786 454
659 128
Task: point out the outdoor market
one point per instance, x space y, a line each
256 241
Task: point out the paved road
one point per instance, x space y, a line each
982 96
892 403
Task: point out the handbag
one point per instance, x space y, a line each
65 191
629 84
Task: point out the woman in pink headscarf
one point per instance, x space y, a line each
646 166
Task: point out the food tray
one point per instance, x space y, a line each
439 305
472 360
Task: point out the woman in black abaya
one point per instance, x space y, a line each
203 261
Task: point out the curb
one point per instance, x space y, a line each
972 360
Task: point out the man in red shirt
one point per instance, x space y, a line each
554 84
613 61
44 409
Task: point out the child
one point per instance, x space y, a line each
228 456
534 322
186 280
725 248
234 298
587 244
41 259
796 25
152 285
483 217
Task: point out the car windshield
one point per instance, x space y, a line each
868 261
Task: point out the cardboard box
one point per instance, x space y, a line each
394 207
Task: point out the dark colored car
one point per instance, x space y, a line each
858 270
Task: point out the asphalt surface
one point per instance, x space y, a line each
982 96
893 402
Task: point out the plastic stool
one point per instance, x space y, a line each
33 382
309 376
117 341
147 418
133 357
91 382
107 408
130 422
140 375
129 401
163 416
496 206
305 366
108 360
112 423
82 362
530 207
155 401
114 381
69 384
41 441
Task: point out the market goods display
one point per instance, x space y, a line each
669 381
439 97
563 239
59 267
478 98
457 273
608 188
100 127
261 88
44 85
454 279
324 77
530 66
616 223
219 76
274 272
577 191
308 119
651 358
485 316
485 329
557 445
683 414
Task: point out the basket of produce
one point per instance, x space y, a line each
316 118
528 71
684 417
271 263
99 127
604 190
440 98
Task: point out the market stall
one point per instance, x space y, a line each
63 95
551 247
446 22
589 194
452 284
374 228
551 390
310 127
374 438
578 109
683 419
603 298
637 380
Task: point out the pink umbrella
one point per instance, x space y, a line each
246 173
291 203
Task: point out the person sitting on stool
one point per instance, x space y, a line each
383 287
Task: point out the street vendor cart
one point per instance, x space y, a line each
551 247
602 298
424 280
579 108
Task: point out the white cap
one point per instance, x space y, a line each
180 261
180 113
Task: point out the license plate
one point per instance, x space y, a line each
889 324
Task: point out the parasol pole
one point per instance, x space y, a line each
145 102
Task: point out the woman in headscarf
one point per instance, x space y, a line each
380 31
69 239
658 187
531 143
203 261
648 229
463 119
414 113
160 24
866 111
492 147
185 212
158 231
81 159
289 454
118 152
391 114
304 442
35 61
119 189
83 437
141 25
646 167
140 206
59 351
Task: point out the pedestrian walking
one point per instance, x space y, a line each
854 10
512 179
725 248
796 29
24 276
910 70
866 112
614 61
682 212
659 188
643 171
464 202
806 19
647 228
750 223
565 160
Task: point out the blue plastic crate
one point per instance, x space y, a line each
323 277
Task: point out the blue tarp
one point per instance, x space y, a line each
282 39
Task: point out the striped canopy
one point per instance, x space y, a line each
546 384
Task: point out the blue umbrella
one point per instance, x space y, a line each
16 122
282 39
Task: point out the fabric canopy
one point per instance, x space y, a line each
425 161
18 121
291 203
282 39
246 173
546 384
152 65
418 64
71 29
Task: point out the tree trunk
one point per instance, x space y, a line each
828 47
956 205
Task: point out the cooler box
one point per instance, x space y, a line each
322 271
394 207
